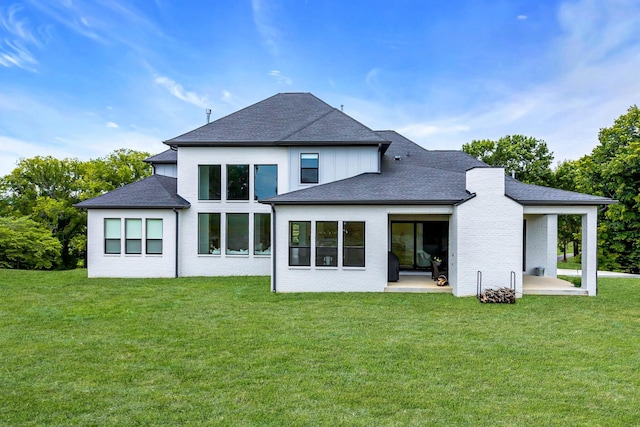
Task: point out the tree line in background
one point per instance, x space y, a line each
40 228
611 170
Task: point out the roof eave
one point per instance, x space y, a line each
361 202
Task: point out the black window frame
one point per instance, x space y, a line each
323 248
241 193
215 190
298 249
304 179
348 249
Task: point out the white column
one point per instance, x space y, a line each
590 251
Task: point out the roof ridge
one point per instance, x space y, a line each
284 138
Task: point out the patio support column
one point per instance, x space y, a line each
590 251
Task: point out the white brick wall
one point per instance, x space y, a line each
124 265
541 241
488 235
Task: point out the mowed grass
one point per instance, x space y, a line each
226 351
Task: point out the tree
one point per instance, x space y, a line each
613 170
566 177
527 157
24 243
45 189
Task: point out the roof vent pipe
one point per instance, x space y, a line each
397 158
208 113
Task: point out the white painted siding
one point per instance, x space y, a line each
166 170
334 163
124 265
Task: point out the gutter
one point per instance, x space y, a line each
177 240
273 248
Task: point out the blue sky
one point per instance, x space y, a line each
82 78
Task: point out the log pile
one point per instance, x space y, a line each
500 295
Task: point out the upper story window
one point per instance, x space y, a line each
237 182
309 168
209 182
265 181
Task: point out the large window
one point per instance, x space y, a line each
237 182
237 234
326 243
112 233
154 236
133 236
353 244
265 181
300 243
209 233
262 234
309 168
209 182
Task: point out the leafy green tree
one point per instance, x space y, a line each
613 170
25 243
527 157
567 177
45 189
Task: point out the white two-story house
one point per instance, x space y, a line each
296 189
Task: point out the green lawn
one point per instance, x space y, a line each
211 351
573 263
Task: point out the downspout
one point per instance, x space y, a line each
273 248
177 240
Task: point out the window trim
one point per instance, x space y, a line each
298 246
248 182
147 239
128 239
107 239
351 247
228 215
324 248
219 183
210 251
317 168
257 235
255 175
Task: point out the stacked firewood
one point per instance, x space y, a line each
500 295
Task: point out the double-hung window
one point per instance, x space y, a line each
265 181
237 182
309 168
353 244
153 236
112 236
326 243
133 236
300 243
209 183
209 233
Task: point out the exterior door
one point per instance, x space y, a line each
415 243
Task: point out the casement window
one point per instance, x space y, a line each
153 235
209 182
262 234
326 243
237 182
265 181
309 168
237 234
300 243
133 236
353 244
209 233
112 236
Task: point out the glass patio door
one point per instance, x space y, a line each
403 243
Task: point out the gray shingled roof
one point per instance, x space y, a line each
169 156
154 192
411 174
283 119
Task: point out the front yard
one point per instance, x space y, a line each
226 351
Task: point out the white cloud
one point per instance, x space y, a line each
522 17
263 19
112 125
280 78
178 91
14 51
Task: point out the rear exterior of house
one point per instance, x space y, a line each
293 188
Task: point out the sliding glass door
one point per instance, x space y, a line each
415 243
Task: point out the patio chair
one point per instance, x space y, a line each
436 271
